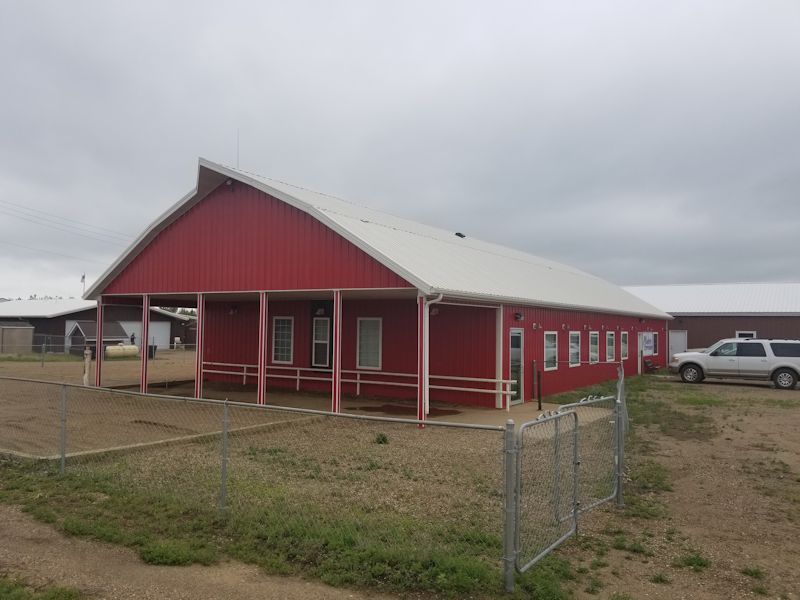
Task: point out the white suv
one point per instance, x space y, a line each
778 360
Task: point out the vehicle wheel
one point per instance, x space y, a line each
691 374
785 379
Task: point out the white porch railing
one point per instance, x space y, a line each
357 377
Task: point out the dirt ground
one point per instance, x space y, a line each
39 555
730 456
169 366
735 500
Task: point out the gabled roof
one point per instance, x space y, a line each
434 260
781 299
47 309
112 330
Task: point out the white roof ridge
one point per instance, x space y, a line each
432 259
520 255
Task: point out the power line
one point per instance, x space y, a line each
32 219
59 254
50 216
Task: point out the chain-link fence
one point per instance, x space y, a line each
585 443
298 483
61 359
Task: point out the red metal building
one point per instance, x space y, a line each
300 290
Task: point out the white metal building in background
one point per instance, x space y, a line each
57 319
705 313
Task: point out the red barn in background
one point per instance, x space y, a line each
300 290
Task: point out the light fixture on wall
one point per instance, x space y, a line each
564 326
233 310
518 316
434 311
535 326
585 327
603 327
319 312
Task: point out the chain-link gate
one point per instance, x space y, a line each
598 449
567 463
547 486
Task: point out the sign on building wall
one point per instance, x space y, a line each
647 343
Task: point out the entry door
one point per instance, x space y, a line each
639 353
723 361
517 368
678 342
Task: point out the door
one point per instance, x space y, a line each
753 360
678 342
723 361
516 366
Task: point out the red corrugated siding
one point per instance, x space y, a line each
243 239
702 331
566 378
461 341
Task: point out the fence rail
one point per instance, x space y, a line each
530 485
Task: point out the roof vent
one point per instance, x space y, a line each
459 234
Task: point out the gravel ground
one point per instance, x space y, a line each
38 554
735 500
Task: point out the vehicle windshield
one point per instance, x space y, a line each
713 347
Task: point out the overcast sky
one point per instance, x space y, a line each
645 142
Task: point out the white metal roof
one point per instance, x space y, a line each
723 298
47 309
434 260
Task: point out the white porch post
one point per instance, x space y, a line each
423 343
263 346
336 366
145 343
98 352
500 398
200 341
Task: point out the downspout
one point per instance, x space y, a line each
427 346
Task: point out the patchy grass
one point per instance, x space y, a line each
650 476
660 578
12 589
694 397
692 560
755 572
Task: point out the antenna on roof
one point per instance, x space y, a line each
237 147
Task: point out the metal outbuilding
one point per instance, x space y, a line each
706 313
302 289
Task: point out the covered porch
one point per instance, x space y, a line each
339 350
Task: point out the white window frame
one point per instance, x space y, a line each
546 333
597 354
291 340
656 335
611 335
359 366
623 348
747 331
580 344
314 342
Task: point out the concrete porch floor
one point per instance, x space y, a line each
379 407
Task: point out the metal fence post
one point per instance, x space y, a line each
619 428
510 460
576 464
223 489
63 437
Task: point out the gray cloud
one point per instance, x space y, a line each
646 142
